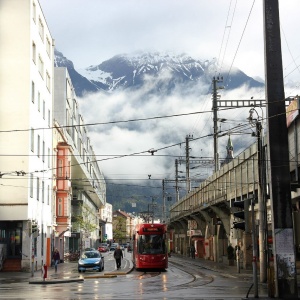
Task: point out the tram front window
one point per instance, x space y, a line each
151 244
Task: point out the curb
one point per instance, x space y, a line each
101 276
115 273
56 281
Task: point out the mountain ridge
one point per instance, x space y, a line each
131 71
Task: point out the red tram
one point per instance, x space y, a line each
150 247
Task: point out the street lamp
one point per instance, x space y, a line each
256 122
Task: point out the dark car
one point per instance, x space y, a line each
112 248
92 260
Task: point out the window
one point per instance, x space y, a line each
60 207
41 29
38 146
42 241
32 91
39 101
32 139
33 52
41 66
48 157
38 188
60 168
68 119
43 191
48 195
31 185
44 109
48 46
49 118
34 12
48 80
151 244
43 153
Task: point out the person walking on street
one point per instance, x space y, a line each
193 251
56 258
118 255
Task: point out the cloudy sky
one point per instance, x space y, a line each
91 31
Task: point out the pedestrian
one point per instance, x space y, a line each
56 258
118 255
193 251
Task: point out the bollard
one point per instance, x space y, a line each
44 272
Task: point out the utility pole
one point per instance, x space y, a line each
187 159
279 173
176 180
215 98
262 213
164 202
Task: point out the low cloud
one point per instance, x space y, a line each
122 147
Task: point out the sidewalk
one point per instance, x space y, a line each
217 267
67 272
231 270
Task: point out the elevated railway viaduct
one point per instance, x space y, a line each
205 216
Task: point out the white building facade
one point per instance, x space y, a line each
26 81
51 185
80 188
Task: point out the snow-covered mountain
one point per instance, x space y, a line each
165 71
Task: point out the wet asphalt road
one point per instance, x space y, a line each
184 279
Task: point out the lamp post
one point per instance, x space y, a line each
262 213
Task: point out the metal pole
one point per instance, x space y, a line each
164 202
278 150
254 242
215 112
176 180
187 165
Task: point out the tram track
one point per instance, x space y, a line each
199 278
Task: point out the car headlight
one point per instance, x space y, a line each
80 262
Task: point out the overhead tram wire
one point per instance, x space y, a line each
227 26
124 155
114 122
107 123
132 154
227 76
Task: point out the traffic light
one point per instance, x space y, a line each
34 228
240 214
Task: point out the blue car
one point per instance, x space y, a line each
91 260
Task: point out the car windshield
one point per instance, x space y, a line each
90 255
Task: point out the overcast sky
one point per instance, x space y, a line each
90 31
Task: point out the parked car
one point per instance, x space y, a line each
102 248
112 248
91 260
89 249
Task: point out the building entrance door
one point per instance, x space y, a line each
14 247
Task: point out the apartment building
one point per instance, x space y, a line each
51 185
80 189
26 77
